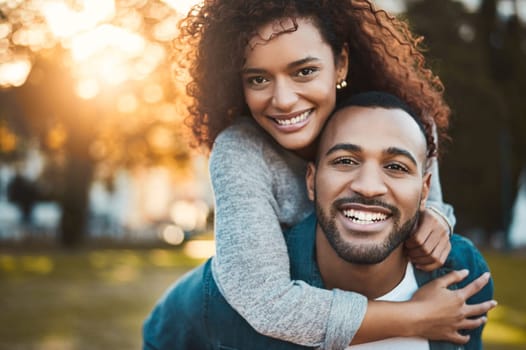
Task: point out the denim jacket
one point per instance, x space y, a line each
193 315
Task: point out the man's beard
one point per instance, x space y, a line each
365 253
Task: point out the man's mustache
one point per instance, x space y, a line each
365 201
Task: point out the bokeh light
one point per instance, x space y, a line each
181 6
87 88
190 215
15 72
200 249
65 22
172 234
8 139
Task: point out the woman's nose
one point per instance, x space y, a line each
284 96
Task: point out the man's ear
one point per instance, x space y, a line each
426 185
309 179
342 64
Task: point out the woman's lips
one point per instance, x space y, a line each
292 122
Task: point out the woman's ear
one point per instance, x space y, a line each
342 64
309 179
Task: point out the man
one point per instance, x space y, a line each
369 183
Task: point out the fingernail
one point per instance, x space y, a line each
494 303
484 319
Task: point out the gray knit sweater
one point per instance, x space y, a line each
259 190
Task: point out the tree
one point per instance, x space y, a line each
97 95
483 71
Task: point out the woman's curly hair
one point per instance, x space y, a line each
383 55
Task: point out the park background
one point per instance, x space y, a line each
103 204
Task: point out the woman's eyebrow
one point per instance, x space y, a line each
297 63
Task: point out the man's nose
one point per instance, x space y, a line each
368 181
284 96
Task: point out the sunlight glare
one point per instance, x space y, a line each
127 103
153 56
14 73
87 89
35 37
153 93
181 6
64 22
5 29
167 29
98 40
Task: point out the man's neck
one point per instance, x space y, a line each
373 280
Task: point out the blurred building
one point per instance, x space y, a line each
140 204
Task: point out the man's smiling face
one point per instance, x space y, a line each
369 183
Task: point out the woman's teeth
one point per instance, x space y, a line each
363 217
294 120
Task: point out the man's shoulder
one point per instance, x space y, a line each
194 315
177 319
465 255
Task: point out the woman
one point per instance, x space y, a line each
265 76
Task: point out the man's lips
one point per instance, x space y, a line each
365 214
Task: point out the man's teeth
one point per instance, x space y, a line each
364 217
294 120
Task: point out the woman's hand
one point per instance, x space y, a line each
443 313
434 312
429 246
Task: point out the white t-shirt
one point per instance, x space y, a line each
402 292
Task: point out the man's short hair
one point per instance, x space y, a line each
388 101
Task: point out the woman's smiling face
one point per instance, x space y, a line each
289 81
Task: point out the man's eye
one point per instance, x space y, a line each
397 167
344 161
304 72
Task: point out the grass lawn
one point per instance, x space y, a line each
506 327
97 299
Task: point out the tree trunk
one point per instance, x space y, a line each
78 175
75 202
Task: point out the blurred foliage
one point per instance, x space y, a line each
481 59
97 96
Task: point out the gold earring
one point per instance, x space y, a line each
341 85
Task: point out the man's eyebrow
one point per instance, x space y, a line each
395 151
291 65
344 147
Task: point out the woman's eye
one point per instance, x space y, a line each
397 167
304 72
257 80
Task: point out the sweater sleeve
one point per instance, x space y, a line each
435 197
251 266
